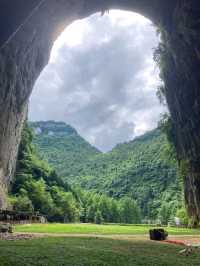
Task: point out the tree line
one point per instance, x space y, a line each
98 208
38 188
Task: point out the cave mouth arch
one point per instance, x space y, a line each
28 30
104 63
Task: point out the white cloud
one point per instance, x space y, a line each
102 79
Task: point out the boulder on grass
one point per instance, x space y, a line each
158 234
6 228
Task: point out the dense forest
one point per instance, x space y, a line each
144 169
62 146
38 188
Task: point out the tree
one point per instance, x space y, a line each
165 213
41 198
130 212
22 204
105 207
98 217
182 214
91 213
114 211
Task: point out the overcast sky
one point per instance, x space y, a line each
101 79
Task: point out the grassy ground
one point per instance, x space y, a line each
99 229
80 251
106 250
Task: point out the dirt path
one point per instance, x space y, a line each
113 236
187 239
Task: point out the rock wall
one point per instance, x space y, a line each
22 59
182 81
28 30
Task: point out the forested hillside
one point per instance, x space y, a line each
38 188
144 169
62 147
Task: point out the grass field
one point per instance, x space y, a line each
109 229
98 247
85 251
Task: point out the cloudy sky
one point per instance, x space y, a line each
101 79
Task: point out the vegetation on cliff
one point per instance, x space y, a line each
38 188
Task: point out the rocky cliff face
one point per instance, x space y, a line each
180 70
27 35
22 59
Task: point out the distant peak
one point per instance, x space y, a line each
52 127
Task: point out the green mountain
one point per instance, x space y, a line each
62 147
144 169
37 188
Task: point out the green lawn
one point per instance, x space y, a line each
98 229
93 251
85 251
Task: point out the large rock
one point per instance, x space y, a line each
5 228
158 234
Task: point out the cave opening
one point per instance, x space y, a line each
25 44
102 80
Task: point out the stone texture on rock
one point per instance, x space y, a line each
21 61
182 81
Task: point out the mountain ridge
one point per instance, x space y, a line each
143 168
60 144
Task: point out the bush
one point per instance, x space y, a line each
183 216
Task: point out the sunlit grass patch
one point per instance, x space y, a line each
98 229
